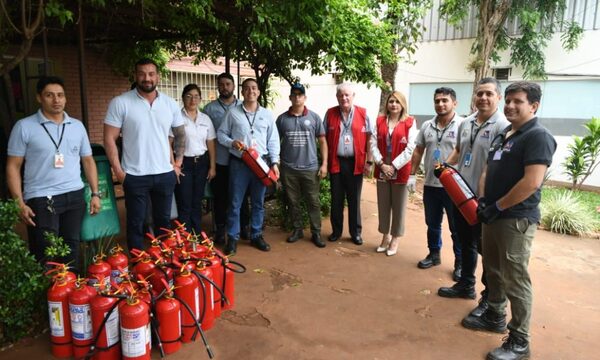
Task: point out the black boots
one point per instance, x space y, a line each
515 347
432 259
457 290
457 270
296 235
488 321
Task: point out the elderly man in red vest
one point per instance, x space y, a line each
348 132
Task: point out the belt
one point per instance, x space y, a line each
346 157
195 158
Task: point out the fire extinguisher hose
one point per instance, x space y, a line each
238 268
198 328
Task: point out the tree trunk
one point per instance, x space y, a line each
388 74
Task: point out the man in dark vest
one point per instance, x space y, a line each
348 132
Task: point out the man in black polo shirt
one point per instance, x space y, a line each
517 162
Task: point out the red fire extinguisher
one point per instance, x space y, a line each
206 296
105 323
59 270
217 277
161 271
81 317
135 329
168 315
459 192
258 166
187 290
58 314
231 267
99 268
118 262
144 266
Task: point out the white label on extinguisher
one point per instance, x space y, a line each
57 319
196 303
149 336
116 274
81 321
93 281
212 297
133 341
463 186
112 328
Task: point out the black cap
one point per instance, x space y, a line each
298 86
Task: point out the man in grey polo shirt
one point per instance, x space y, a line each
51 145
144 116
216 110
248 125
300 172
437 138
475 135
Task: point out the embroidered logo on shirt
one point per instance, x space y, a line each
451 134
486 134
403 140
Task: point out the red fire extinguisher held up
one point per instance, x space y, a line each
58 314
105 322
81 317
258 166
135 329
168 315
459 192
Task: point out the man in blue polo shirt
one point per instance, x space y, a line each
299 130
144 116
248 125
51 145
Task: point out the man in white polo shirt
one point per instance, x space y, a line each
144 116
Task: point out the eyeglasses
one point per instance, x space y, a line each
190 97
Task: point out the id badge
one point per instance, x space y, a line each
347 140
59 161
467 159
437 154
253 143
497 155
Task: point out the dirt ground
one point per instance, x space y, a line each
348 302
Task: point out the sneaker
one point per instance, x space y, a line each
260 243
514 347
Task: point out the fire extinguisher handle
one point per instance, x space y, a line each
238 268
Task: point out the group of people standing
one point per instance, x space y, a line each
168 150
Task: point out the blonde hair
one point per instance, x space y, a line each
402 99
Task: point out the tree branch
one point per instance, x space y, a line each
6 15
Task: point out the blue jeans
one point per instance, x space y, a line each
137 188
241 178
435 201
190 191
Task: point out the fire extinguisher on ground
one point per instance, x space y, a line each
81 317
58 312
459 192
134 316
168 319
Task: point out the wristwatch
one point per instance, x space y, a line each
97 194
369 162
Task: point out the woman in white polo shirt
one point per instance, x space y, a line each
198 160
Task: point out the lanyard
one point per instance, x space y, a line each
473 137
437 131
51 138
253 120
225 107
348 120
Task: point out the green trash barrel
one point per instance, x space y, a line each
105 224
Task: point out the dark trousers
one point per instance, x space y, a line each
435 201
160 188
346 186
222 201
302 185
65 221
190 191
470 246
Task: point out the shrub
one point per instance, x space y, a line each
564 213
22 283
584 154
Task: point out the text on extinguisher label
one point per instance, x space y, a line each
133 341
81 321
56 316
463 186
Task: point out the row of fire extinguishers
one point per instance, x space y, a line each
173 293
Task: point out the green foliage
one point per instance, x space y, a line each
282 211
563 212
538 21
57 247
129 53
57 9
584 154
22 284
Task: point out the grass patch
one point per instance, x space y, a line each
570 212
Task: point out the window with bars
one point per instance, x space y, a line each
174 83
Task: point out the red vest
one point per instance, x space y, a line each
359 132
399 142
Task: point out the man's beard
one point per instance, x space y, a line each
146 89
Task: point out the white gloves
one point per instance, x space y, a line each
411 185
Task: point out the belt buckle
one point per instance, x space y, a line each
196 158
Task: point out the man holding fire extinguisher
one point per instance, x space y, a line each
248 125
509 210
475 135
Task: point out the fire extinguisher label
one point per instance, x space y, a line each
212 297
56 316
116 274
133 341
112 328
148 336
463 186
93 281
197 303
81 321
